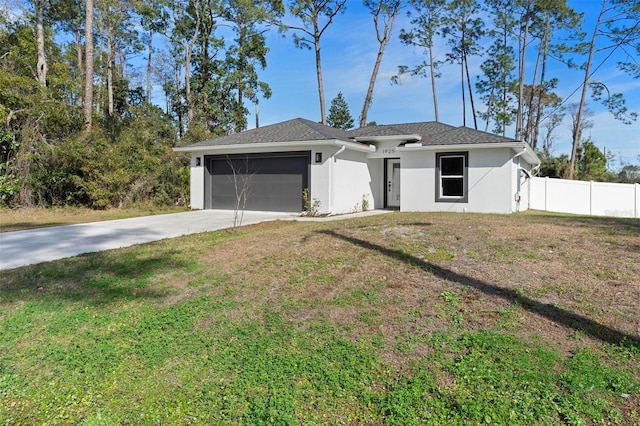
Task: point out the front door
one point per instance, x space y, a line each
392 176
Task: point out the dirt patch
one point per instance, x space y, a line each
539 278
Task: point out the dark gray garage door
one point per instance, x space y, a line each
275 181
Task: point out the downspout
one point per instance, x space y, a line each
331 187
524 149
517 194
534 171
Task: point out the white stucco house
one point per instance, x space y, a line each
425 166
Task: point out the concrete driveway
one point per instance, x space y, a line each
33 246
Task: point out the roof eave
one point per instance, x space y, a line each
528 153
407 138
355 146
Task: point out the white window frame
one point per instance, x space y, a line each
440 197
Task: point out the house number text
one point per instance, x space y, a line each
389 151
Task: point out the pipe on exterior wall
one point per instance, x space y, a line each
534 171
524 149
517 194
331 179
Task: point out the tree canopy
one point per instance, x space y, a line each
339 115
94 94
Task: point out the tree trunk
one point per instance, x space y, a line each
528 128
88 82
241 69
473 107
187 84
187 64
323 114
98 95
489 109
110 72
372 81
545 54
80 69
178 101
583 98
309 12
464 103
42 58
523 54
383 40
505 88
149 53
432 70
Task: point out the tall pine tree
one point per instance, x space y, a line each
339 115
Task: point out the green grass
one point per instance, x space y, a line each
161 365
204 330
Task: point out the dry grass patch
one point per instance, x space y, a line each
29 218
527 274
400 319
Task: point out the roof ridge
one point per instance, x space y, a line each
487 133
325 130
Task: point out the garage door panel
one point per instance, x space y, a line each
274 183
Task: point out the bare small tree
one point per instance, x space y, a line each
581 120
550 125
242 187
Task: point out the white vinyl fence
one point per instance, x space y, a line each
586 198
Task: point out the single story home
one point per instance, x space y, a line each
426 166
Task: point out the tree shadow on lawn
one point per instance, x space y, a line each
611 225
95 278
557 315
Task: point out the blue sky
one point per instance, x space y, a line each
349 48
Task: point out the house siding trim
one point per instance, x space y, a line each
267 146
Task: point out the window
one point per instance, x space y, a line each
451 176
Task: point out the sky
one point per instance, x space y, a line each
349 47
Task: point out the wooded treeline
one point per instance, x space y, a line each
79 124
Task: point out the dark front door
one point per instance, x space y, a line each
269 182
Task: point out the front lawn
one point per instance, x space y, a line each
393 319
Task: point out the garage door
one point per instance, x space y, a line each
273 182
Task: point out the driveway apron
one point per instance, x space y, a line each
21 248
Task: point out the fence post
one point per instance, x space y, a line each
636 200
546 181
590 198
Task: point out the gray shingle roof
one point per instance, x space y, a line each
424 129
297 129
464 135
301 130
